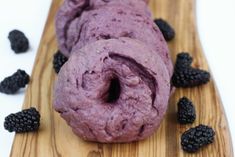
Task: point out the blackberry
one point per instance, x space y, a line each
25 121
19 42
184 60
195 138
186 111
58 61
190 77
13 83
186 76
167 31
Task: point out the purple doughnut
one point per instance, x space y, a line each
113 90
115 21
72 9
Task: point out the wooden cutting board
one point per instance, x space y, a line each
55 138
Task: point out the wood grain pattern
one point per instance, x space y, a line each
55 138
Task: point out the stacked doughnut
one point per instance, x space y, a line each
115 86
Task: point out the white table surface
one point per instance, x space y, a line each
216 25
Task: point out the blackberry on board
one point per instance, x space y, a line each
25 121
195 138
186 111
167 31
19 42
190 77
11 84
184 60
58 61
186 76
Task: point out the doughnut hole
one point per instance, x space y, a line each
114 91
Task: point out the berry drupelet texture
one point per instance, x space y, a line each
167 31
186 112
58 61
13 83
24 121
19 42
190 77
184 60
187 76
195 138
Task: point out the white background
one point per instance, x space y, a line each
216 25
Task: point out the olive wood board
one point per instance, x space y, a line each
56 139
